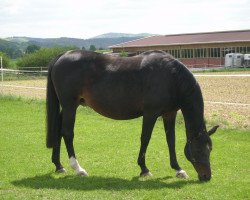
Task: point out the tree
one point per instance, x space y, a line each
32 48
92 47
42 57
83 48
6 60
123 53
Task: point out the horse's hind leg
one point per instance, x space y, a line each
169 125
56 151
68 121
147 128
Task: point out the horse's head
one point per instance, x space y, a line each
197 151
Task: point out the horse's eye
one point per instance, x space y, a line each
209 147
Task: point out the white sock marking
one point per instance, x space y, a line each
75 165
181 174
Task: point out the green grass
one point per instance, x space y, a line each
108 150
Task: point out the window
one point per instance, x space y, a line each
214 52
248 50
241 50
187 53
177 53
245 49
200 53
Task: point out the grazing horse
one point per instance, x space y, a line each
151 84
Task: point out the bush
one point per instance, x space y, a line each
92 47
6 60
124 54
42 57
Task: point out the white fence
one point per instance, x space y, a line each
10 74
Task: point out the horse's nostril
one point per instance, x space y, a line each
204 177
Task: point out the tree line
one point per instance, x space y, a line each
36 56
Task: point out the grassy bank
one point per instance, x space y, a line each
108 150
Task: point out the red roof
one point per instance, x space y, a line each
189 38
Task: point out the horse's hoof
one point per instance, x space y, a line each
82 173
181 174
60 171
146 174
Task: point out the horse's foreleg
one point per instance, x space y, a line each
169 125
147 128
68 123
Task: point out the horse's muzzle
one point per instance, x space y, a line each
203 170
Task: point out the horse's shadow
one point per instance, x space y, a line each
48 181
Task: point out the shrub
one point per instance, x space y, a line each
6 60
124 54
92 47
42 57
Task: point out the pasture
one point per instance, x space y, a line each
108 150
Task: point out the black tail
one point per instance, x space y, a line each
53 110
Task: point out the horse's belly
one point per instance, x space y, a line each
118 115
116 112
114 108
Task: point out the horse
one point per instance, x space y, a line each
152 84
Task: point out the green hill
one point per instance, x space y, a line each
15 46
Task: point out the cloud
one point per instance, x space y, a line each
84 18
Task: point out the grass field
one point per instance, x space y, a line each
108 150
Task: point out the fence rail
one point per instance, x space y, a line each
35 68
24 71
6 84
43 72
12 74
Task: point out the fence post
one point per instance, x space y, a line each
1 61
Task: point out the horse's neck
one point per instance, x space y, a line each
193 112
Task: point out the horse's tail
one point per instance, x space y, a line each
53 117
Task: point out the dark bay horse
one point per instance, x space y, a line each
151 84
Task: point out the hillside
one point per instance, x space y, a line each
14 46
126 35
12 49
98 42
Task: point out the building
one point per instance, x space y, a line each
193 49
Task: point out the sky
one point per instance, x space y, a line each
88 18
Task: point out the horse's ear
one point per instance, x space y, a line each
212 130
